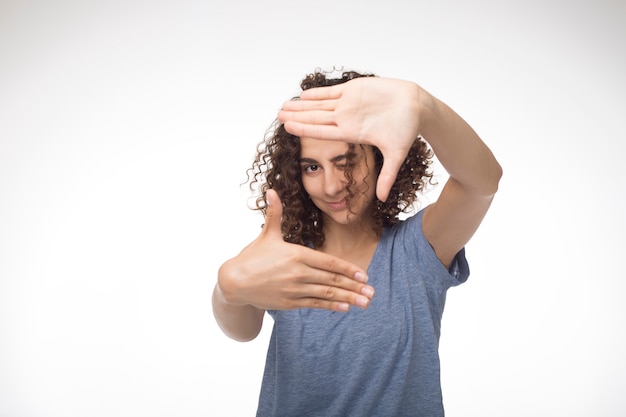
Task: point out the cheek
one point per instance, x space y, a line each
308 185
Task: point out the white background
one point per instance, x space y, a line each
126 128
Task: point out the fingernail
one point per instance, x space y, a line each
362 302
360 276
368 291
343 306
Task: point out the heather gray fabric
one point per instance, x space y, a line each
382 361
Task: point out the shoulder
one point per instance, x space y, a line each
407 241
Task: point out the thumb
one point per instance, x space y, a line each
387 176
273 214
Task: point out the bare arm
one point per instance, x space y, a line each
451 221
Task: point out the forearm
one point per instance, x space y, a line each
239 322
457 146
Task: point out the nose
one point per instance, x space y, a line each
334 181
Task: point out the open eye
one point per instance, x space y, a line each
311 168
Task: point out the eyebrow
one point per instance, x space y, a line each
313 161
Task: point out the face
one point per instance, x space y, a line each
323 165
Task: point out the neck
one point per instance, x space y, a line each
352 243
348 239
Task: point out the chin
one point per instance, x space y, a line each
344 218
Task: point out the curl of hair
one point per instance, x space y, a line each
277 166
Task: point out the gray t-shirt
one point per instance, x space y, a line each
381 361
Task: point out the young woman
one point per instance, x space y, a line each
356 293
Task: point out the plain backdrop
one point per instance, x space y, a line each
126 128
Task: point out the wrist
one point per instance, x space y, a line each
429 111
226 289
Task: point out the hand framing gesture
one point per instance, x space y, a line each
382 112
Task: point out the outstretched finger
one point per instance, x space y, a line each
304 105
360 298
384 183
273 214
323 93
325 132
332 267
388 173
312 117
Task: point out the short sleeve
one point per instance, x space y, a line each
456 274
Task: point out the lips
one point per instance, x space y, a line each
337 205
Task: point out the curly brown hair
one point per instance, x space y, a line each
277 166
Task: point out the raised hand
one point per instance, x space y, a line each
377 111
272 274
